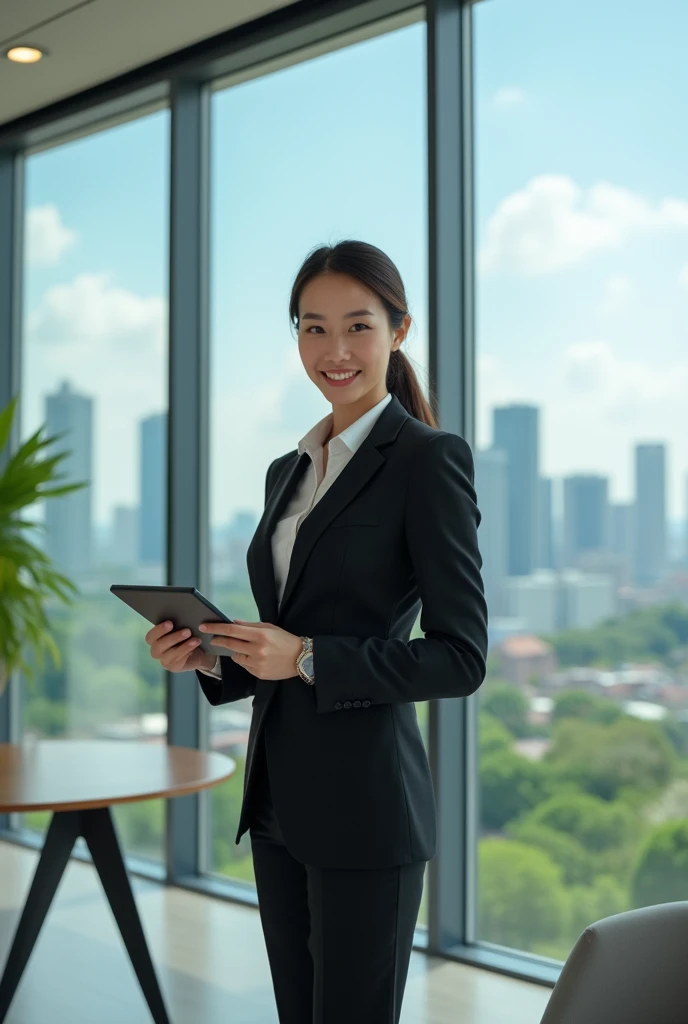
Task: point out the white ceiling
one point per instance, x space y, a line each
91 41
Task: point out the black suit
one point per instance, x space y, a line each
345 759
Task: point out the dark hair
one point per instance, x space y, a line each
376 271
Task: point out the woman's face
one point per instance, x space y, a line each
343 326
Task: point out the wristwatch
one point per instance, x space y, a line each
304 662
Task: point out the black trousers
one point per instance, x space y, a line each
338 941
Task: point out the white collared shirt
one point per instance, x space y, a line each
341 448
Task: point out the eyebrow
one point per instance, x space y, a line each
319 316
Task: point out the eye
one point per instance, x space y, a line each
319 328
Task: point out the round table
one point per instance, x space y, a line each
79 780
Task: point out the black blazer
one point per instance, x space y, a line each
349 775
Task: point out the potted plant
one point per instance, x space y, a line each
27 574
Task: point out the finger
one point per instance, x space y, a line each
178 660
229 628
157 631
233 644
170 640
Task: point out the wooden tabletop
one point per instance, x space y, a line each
65 775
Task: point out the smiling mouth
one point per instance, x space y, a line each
343 377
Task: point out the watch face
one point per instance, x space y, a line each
307 664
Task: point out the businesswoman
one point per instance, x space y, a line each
373 516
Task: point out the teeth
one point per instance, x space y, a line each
341 376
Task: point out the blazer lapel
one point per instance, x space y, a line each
365 463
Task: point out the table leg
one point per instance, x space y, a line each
60 838
97 828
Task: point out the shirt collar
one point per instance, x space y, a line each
350 439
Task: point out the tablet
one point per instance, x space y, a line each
184 607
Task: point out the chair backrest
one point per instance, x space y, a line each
631 968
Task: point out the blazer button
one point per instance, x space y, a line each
347 704
357 703
366 703
338 706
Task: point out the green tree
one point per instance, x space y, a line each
595 823
141 826
653 632
584 705
676 732
576 863
509 785
588 904
492 734
509 705
604 760
660 874
521 901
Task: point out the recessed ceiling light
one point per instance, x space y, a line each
24 54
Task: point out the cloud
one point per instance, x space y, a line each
617 292
508 97
47 238
110 344
92 310
553 223
592 371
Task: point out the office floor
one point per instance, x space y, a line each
210 959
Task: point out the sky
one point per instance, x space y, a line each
581 243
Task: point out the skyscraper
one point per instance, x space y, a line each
68 518
650 499
491 486
586 516
545 545
622 534
515 431
153 490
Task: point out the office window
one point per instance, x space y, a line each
309 154
582 259
95 368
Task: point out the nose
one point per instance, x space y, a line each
339 346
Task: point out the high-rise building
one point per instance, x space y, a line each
124 548
515 431
153 490
239 535
586 599
534 600
586 517
545 547
491 486
622 534
68 518
650 500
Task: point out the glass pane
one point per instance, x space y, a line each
95 370
582 232
300 157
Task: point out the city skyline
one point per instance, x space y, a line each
529 535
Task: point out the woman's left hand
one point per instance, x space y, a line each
264 650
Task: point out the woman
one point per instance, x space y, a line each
373 513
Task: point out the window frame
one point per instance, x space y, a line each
183 82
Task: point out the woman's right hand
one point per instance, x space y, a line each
177 650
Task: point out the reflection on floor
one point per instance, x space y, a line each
210 958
